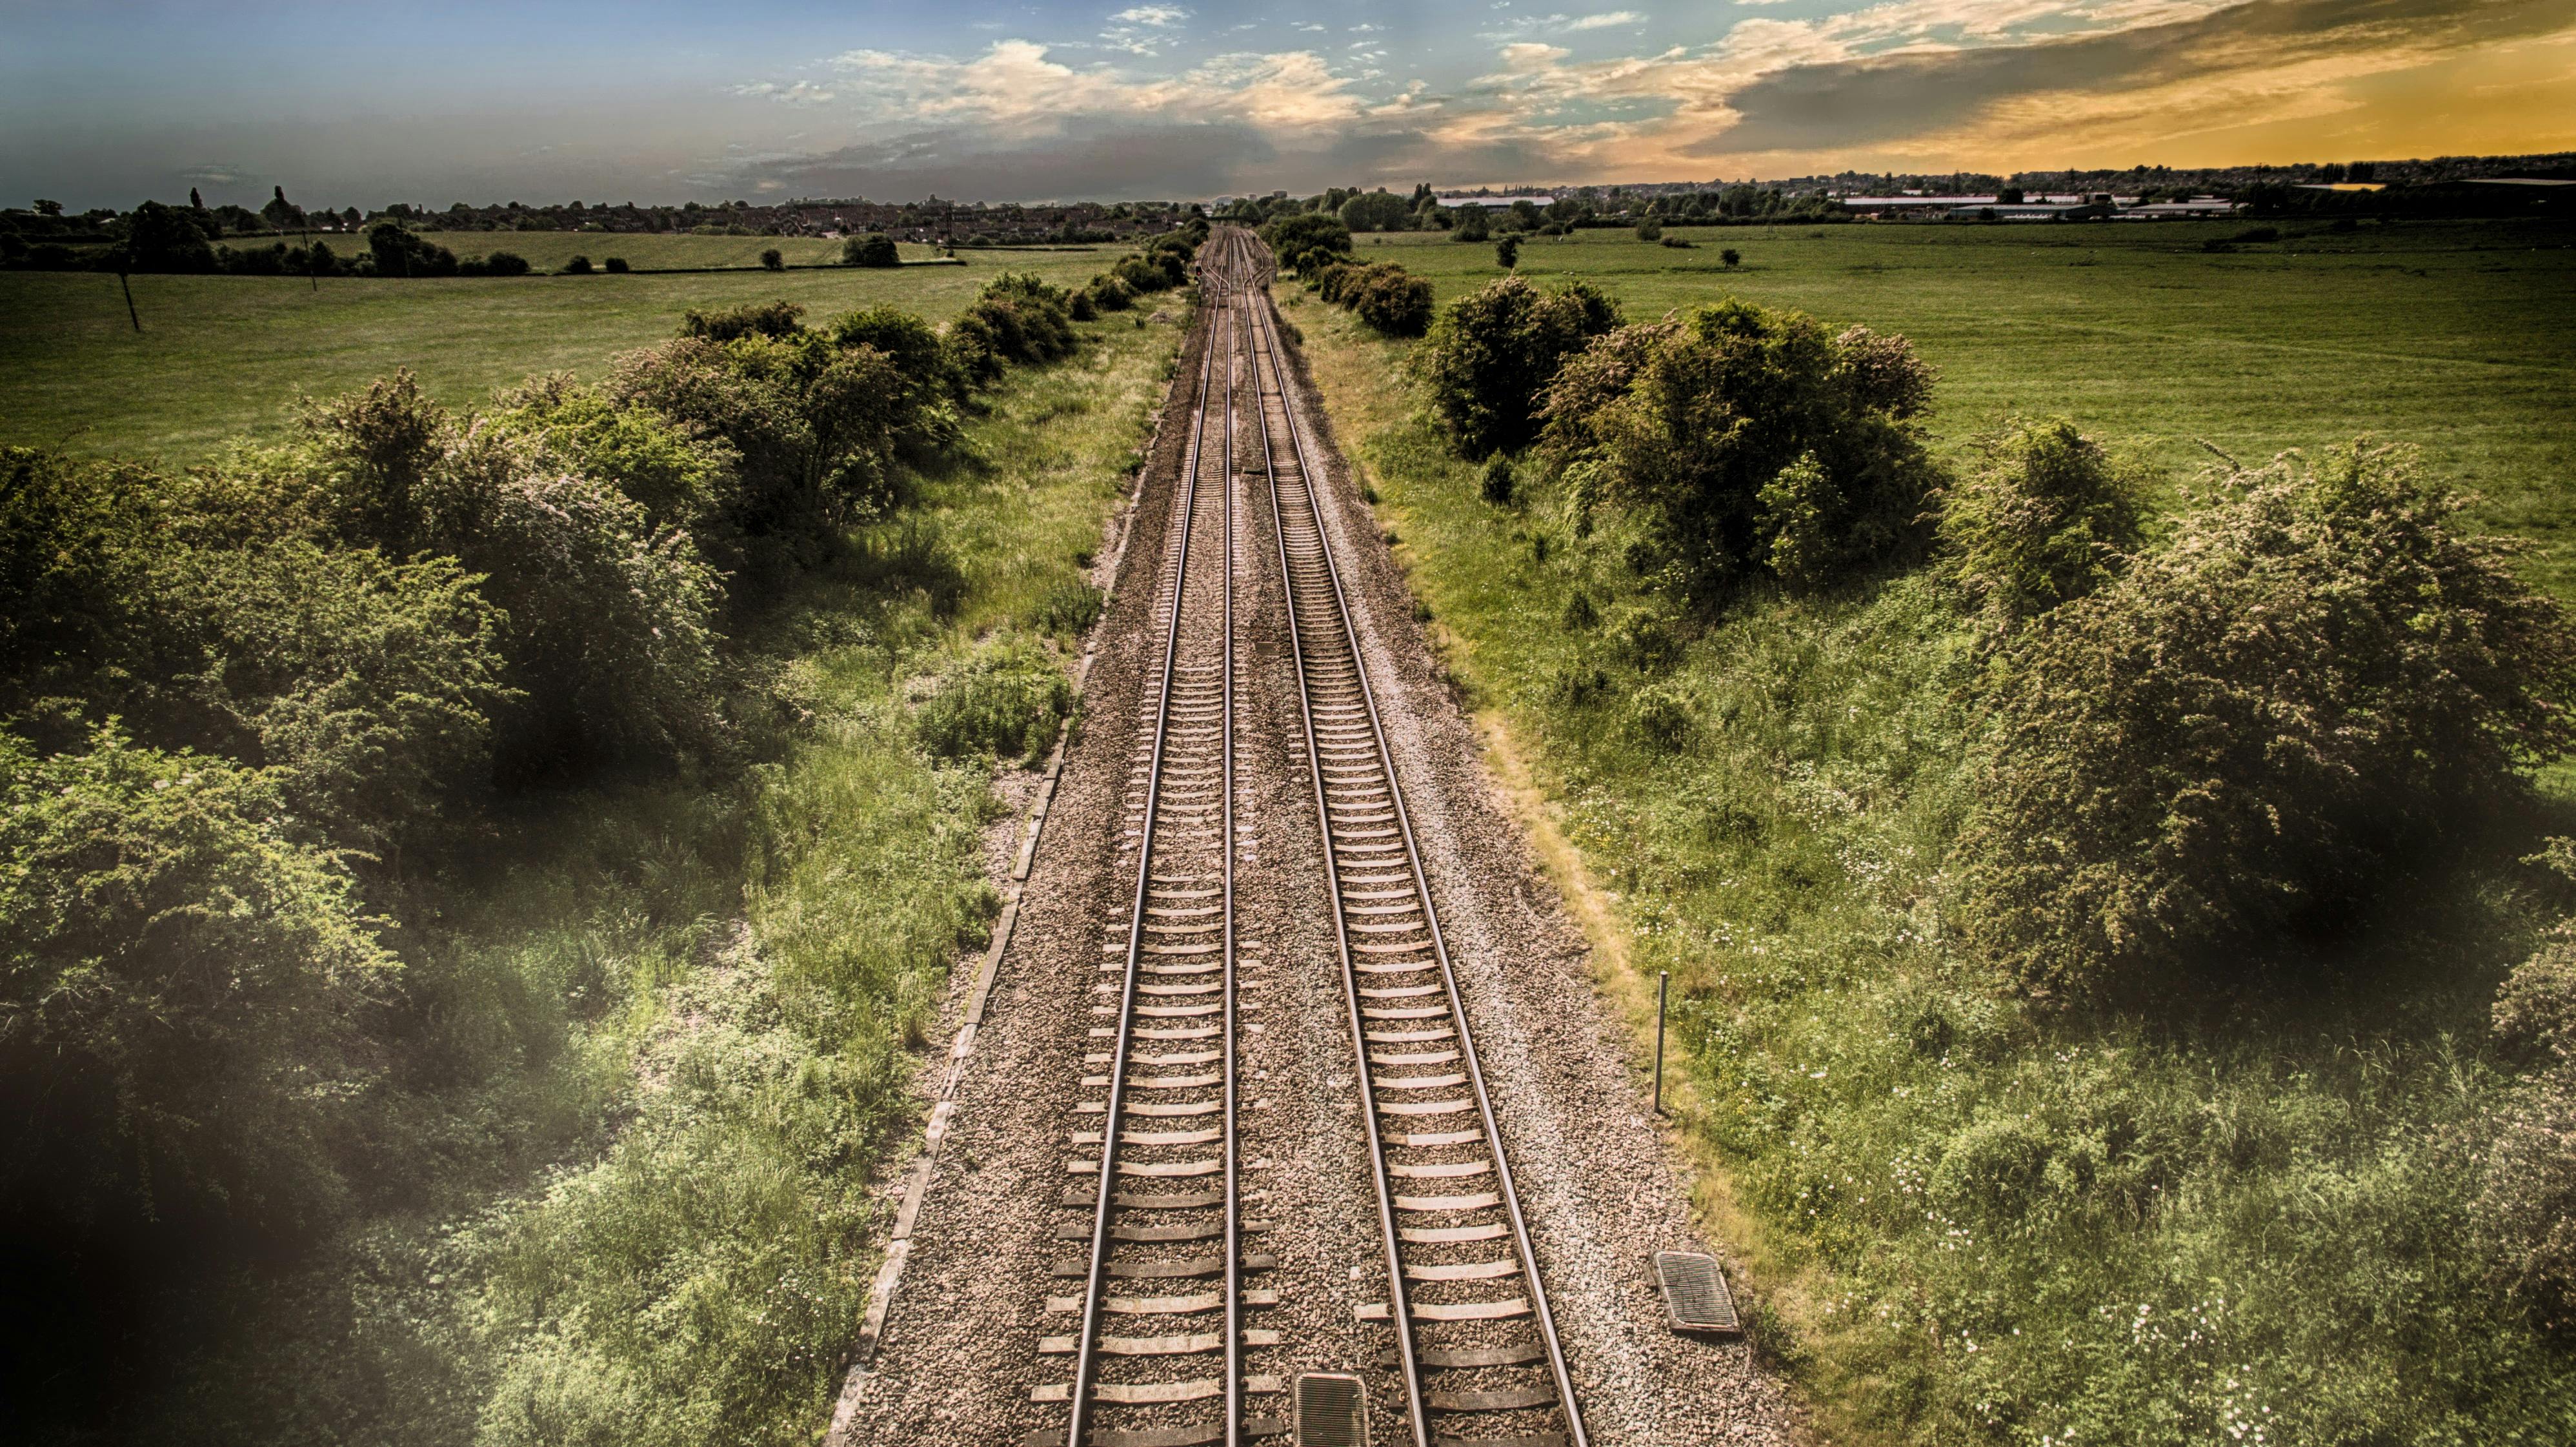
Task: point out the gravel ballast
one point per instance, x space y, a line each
959 1349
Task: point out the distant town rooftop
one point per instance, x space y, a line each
1453 202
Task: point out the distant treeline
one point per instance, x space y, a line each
44 237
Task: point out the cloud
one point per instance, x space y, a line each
1087 156
214 173
1157 15
1018 87
801 93
2232 64
1524 25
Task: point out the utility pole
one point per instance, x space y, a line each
128 288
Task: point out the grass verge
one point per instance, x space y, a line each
1967 1222
682 1020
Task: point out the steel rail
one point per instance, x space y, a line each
1087 1344
1399 1294
1233 1192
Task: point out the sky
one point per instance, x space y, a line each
350 103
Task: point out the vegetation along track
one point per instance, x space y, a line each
1161 1141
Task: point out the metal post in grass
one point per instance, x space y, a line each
1663 988
124 264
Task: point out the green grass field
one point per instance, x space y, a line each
2460 337
1958 1219
225 356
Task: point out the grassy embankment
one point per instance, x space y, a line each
2458 337
680 1017
224 356
1965 1220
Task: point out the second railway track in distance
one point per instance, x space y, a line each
1165 1300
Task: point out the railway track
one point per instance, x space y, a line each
1166 1350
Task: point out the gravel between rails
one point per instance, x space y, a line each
959 1355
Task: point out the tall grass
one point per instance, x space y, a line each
1969 1222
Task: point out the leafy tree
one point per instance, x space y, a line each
873 249
773 260
1507 253
2045 516
614 266
2255 727
1731 257
1649 231
1375 211
1306 231
1472 225
577 266
1492 352
394 251
1744 439
167 238
280 213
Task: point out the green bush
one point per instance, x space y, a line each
367 688
1395 303
679 478
2045 516
363 685
1746 440
1495 484
815 426
1006 699
874 249
2255 727
607 634
1493 352
751 319
1110 294
179 1017
1660 715
2525 1211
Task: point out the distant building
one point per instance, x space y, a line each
2198 206
2036 206
1493 203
